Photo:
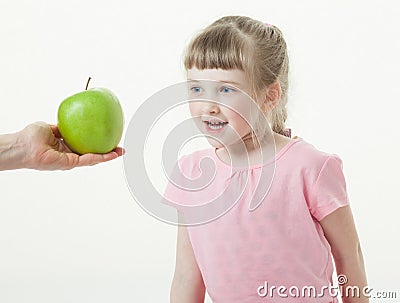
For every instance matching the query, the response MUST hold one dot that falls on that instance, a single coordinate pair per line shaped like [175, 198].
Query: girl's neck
[246, 153]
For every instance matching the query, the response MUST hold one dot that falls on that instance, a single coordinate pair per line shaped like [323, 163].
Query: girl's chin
[214, 143]
[218, 144]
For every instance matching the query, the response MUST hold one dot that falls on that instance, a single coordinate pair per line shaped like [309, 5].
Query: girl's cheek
[237, 121]
[194, 109]
[241, 112]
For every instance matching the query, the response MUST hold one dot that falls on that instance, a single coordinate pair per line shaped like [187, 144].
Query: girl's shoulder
[193, 163]
[311, 157]
[194, 158]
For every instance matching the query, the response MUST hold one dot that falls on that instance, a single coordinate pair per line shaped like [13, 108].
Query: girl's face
[224, 115]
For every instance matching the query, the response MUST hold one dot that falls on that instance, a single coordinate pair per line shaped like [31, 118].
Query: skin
[40, 146]
[228, 92]
[339, 227]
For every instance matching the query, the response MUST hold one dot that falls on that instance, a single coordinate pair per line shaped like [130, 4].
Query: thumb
[55, 130]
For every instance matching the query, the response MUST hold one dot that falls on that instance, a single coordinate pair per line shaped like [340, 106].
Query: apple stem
[87, 83]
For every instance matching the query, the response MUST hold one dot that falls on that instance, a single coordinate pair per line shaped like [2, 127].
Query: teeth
[217, 125]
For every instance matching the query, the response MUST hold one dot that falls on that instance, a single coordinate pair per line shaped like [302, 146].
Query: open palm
[46, 150]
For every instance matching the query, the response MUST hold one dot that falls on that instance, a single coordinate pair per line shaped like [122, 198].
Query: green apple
[91, 121]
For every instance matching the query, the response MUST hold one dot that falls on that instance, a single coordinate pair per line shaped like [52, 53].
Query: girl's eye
[195, 89]
[226, 89]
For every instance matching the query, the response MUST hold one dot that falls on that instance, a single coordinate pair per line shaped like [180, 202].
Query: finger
[120, 151]
[54, 129]
[92, 159]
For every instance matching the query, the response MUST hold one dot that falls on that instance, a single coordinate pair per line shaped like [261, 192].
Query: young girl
[279, 251]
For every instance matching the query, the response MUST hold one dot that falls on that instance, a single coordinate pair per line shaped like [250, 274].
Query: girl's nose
[211, 107]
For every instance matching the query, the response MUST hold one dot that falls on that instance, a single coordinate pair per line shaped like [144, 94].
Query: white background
[79, 236]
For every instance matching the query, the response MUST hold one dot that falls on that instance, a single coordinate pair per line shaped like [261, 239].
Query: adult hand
[40, 146]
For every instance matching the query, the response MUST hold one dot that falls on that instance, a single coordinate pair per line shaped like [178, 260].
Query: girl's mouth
[214, 127]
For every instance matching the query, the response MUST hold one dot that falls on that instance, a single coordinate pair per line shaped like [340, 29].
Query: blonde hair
[258, 49]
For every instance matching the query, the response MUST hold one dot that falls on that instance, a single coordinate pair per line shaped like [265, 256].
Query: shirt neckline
[277, 156]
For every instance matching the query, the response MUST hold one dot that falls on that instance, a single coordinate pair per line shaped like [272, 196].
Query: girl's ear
[271, 96]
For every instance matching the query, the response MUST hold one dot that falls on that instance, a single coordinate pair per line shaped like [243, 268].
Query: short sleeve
[329, 192]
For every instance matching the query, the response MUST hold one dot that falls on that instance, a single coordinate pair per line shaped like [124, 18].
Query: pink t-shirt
[245, 256]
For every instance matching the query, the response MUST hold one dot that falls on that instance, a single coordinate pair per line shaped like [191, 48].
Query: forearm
[11, 152]
[184, 291]
[354, 270]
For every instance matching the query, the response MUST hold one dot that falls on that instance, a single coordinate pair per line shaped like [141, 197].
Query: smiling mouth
[216, 125]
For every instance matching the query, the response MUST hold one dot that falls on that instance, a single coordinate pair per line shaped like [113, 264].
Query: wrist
[12, 152]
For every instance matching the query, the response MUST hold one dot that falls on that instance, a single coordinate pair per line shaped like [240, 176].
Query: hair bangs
[217, 47]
